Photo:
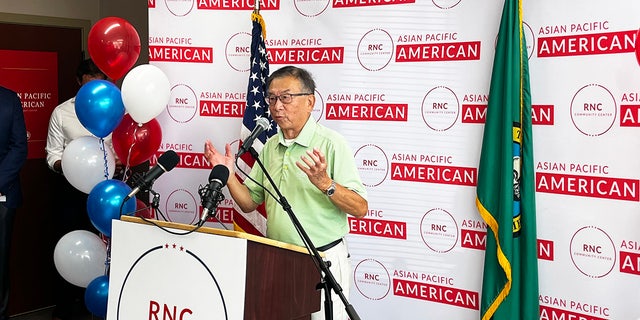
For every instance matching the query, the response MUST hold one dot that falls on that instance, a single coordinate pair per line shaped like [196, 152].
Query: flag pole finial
[257, 17]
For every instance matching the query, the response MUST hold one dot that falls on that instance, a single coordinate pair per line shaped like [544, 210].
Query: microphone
[211, 194]
[262, 124]
[166, 162]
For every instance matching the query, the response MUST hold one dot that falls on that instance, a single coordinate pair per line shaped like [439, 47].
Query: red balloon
[114, 46]
[135, 143]
[143, 210]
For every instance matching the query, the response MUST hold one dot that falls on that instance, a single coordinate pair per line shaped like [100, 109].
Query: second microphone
[211, 195]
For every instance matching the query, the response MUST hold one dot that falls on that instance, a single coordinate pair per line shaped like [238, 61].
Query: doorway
[31, 263]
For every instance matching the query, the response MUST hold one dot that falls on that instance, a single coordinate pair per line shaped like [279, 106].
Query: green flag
[506, 181]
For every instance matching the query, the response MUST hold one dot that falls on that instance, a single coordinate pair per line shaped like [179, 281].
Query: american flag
[255, 222]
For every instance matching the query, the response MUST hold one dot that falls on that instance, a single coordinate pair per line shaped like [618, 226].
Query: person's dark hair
[291, 71]
[89, 68]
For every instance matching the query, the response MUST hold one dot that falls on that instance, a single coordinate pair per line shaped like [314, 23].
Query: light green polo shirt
[321, 219]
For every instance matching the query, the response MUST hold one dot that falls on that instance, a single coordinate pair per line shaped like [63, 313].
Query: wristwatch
[331, 190]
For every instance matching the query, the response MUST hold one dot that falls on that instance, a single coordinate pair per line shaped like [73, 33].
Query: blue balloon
[104, 201]
[95, 296]
[99, 107]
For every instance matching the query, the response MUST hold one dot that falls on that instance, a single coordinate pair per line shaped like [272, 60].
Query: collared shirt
[64, 126]
[321, 219]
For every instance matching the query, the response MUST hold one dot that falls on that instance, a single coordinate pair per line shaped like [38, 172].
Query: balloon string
[125, 173]
[127, 166]
[135, 138]
[106, 162]
[107, 262]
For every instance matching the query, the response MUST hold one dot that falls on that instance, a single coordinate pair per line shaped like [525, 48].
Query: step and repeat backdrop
[406, 82]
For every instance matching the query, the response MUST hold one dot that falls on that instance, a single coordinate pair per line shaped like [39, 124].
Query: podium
[207, 274]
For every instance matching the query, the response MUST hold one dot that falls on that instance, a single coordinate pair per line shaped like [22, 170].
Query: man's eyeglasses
[285, 98]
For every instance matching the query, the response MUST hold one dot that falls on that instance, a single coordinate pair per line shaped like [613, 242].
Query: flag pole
[256, 6]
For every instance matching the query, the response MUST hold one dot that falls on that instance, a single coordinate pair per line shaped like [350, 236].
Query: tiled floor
[45, 314]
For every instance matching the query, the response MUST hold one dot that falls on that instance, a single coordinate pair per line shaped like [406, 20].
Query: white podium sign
[157, 275]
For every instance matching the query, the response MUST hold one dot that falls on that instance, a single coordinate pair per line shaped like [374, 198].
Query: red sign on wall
[33, 75]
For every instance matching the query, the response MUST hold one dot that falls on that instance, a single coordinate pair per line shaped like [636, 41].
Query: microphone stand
[328, 281]
[155, 202]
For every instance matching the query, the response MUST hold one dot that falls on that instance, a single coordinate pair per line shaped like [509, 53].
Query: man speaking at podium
[313, 167]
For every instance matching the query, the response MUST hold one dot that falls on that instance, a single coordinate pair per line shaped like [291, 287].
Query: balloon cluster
[128, 115]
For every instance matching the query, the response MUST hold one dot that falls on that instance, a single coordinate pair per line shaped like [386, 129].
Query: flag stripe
[242, 224]
[254, 222]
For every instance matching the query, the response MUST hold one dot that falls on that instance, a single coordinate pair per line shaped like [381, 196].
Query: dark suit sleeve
[16, 144]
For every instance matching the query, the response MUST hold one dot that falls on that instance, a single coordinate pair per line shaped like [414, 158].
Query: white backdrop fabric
[406, 82]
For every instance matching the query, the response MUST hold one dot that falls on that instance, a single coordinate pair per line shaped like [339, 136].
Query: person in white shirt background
[71, 204]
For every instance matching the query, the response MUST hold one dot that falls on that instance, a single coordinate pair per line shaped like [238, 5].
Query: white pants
[341, 270]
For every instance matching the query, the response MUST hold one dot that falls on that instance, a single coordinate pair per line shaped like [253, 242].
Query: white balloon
[83, 163]
[80, 256]
[145, 92]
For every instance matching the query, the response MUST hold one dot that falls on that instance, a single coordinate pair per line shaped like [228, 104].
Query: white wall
[74, 9]
[53, 12]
